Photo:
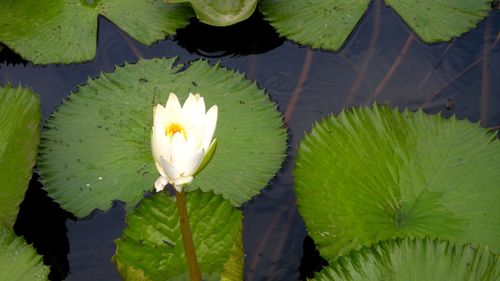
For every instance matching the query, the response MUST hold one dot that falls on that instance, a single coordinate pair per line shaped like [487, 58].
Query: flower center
[173, 129]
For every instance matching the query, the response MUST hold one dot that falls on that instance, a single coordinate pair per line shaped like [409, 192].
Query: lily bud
[182, 140]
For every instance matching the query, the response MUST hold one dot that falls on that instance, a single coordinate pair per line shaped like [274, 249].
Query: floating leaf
[97, 145]
[64, 31]
[441, 20]
[327, 24]
[19, 261]
[323, 24]
[415, 260]
[19, 138]
[375, 174]
[151, 246]
[233, 268]
[221, 12]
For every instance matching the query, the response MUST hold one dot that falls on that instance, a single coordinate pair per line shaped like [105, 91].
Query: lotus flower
[182, 140]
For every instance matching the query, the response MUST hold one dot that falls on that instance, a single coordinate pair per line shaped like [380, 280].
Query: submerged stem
[187, 237]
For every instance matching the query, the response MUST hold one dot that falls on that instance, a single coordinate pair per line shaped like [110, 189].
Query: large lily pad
[64, 31]
[327, 24]
[151, 246]
[374, 174]
[97, 144]
[411, 260]
[221, 12]
[19, 261]
[19, 138]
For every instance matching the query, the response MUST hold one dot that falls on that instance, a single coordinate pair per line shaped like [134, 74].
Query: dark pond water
[382, 61]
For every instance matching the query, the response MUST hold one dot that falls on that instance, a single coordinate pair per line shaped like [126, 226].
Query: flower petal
[158, 117]
[160, 169]
[210, 125]
[193, 163]
[207, 157]
[198, 111]
[173, 101]
[179, 152]
[170, 171]
[189, 105]
[156, 145]
[160, 183]
[172, 113]
[195, 120]
[200, 105]
[191, 146]
[189, 116]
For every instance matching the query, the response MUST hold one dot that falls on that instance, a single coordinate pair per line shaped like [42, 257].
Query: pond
[382, 61]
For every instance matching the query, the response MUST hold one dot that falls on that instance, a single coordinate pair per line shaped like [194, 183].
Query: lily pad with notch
[327, 24]
[64, 31]
[415, 259]
[151, 246]
[96, 147]
[374, 174]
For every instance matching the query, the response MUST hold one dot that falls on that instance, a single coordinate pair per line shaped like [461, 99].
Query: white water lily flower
[182, 139]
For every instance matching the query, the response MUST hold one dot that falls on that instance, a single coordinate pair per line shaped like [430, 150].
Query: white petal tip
[160, 183]
[172, 100]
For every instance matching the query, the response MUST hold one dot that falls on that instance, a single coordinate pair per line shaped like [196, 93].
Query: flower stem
[187, 237]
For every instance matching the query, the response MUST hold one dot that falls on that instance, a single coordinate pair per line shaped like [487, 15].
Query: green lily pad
[97, 149]
[19, 138]
[327, 24]
[18, 260]
[373, 174]
[151, 246]
[323, 24]
[221, 12]
[64, 31]
[411, 260]
[234, 266]
[441, 20]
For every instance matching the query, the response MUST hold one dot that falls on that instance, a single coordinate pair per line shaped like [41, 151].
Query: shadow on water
[311, 260]
[7, 56]
[42, 222]
[252, 36]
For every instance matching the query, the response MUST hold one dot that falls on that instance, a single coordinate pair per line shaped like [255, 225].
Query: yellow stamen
[173, 129]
